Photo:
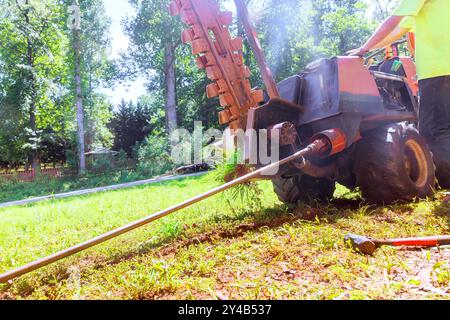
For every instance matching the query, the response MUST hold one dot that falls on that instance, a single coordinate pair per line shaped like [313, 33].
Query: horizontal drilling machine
[366, 112]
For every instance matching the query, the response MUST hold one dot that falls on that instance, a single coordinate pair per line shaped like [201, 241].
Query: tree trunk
[171, 99]
[79, 102]
[34, 156]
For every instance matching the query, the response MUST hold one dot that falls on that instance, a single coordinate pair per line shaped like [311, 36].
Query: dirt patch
[6, 296]
[419, 280]
[428, 272]
[258, 279]
[165, 296]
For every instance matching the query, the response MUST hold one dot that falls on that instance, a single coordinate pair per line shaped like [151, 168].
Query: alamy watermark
[214, 146]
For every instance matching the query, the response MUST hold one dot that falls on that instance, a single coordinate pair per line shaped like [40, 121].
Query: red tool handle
[417, 242]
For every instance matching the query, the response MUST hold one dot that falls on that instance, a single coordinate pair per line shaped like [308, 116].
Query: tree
[382, 8]
[154, 40]
[132, 123]
[43, 67]
[32, 52]
[283, 29]
[339, 25]
[76, 42]
[89, 28]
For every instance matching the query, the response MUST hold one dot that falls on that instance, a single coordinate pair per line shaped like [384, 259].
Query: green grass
[43, 186]
[222, 248]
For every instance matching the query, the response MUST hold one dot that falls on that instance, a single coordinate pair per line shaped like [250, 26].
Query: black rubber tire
[303, 189]
[442, 161]
[394, 163]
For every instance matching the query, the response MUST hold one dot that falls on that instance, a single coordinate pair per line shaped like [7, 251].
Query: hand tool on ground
[368, 246]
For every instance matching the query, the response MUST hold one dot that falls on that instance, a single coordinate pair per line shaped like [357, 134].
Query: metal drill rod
[313, 148]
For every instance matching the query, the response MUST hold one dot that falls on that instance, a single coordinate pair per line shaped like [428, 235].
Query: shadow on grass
[244, 221]
[442, 207]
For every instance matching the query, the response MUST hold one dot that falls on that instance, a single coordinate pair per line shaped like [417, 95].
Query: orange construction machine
[366, 111]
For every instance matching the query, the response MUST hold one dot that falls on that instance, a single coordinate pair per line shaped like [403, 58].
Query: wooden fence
[28, 176]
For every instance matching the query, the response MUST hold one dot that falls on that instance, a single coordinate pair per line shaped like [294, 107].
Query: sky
[117, 10]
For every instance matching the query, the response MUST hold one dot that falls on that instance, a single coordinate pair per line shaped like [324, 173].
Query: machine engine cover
[330, 87]
[291, 89]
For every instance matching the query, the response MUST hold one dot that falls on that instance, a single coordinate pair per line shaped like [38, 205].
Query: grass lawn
[221, 249]
[12, 191]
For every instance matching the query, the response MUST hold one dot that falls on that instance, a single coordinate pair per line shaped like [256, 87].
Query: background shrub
[154, 156]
